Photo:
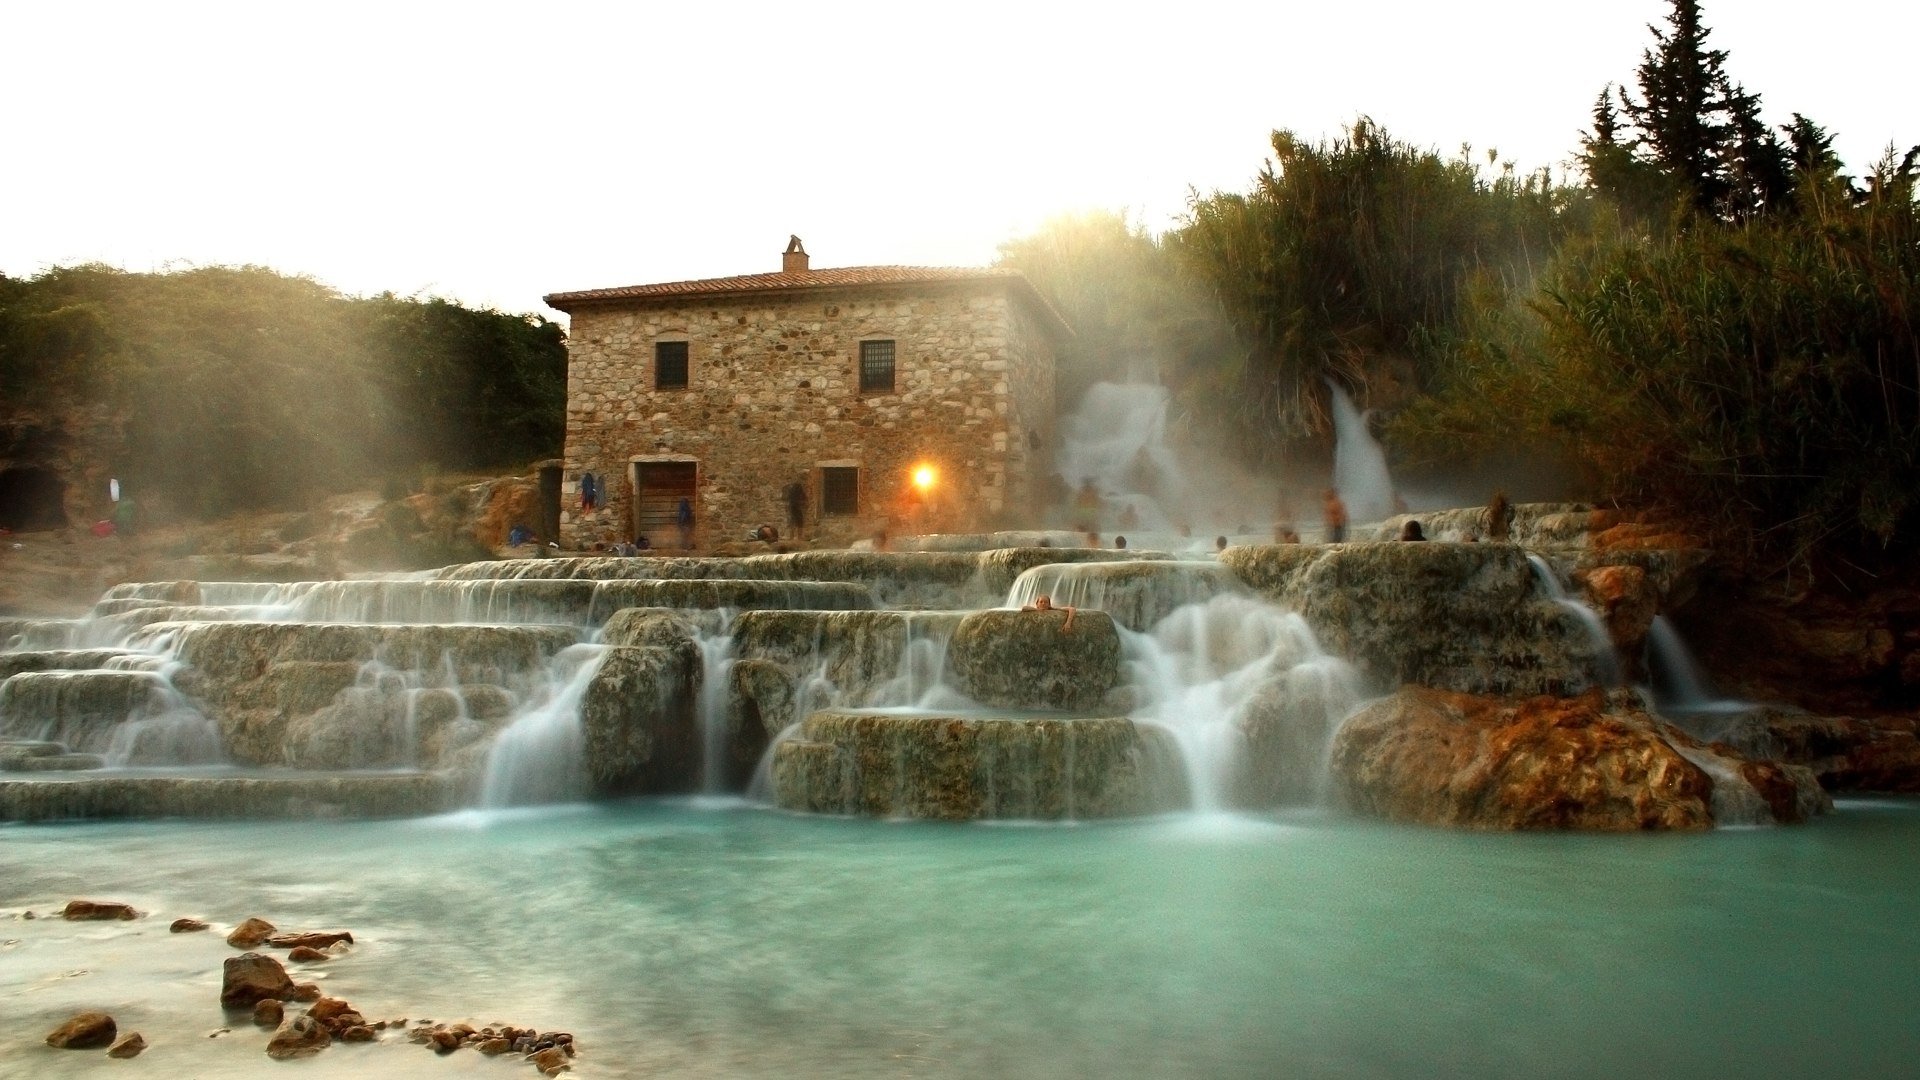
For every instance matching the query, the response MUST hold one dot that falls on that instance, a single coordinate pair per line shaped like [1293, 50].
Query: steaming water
[1359, 462]
[685, 943]
[1117, 439]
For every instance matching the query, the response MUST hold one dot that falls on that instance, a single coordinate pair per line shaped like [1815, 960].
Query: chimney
[794, 259]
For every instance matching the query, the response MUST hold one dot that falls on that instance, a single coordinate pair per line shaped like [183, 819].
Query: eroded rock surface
[1467, 617]
[86, 1031]
[966, 767]
[1591, 763]
[1030, 660]
[639, 719]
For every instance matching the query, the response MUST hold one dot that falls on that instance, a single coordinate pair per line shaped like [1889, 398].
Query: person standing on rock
[1499, 517]
[1336, 515]
[796, 498]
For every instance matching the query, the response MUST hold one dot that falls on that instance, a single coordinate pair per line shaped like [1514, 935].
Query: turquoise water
[723, 940]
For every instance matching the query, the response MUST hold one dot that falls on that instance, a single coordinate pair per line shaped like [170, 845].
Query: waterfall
[1606, 659]
[714, 705]
[541, 755]
[1247, 694]
[1359, 462]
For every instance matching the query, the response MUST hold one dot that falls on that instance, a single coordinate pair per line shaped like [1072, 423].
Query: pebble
[186, 926]
[129, 1045]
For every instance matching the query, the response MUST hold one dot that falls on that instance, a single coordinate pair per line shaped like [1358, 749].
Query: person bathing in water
[1043, 602]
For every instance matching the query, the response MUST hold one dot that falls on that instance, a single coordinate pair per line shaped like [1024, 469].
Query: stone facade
[773, 395]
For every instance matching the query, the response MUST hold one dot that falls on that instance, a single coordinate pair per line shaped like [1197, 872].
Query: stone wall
[774, 393]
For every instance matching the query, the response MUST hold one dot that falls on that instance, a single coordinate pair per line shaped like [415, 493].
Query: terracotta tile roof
[843, 277]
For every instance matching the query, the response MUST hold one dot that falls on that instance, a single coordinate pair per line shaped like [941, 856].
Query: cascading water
[1359, 462]
[1605, 657]
[1231, 672]
[716, 664]
[540, 756]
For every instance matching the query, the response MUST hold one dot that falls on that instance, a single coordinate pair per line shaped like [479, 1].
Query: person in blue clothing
[683, 516]
[589, 492]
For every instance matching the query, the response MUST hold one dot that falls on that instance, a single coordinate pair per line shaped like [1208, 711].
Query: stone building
[723, 392]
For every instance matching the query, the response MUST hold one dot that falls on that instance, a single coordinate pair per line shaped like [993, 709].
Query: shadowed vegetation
[220, 388]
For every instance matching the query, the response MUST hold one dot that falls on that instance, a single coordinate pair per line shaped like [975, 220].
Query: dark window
[840, 489]
[670, 365]
[876, 367]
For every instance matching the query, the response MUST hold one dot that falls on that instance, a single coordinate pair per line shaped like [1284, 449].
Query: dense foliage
[1715, 321]
[229, 387]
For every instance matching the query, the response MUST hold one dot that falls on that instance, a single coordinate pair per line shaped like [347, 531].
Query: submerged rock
[1028, 660]
[186, 926]
[963, 767]
[85, 1031]
[1440, 758]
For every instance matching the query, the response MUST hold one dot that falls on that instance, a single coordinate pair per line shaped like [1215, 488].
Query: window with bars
[839, 490]
[669, 365]
[876, 367]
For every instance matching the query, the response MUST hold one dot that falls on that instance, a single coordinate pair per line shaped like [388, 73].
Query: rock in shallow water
[250, 934]
[129, 1046]
[86, 1031]
[88, 910]
[301, 1036]
[1440, 758]
[250, 978]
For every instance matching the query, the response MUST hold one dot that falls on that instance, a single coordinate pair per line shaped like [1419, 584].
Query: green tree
[1345, 257]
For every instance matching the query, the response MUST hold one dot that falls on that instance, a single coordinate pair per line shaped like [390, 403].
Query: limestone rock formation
[294, 796]
[263, 681]
[968, 767]
[1136, 593]
[639, 720]
[1467, 617]
[1027, 660]
[1441, 758]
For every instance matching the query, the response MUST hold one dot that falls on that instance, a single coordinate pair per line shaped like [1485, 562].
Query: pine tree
[1758, 171]
[1683, 116]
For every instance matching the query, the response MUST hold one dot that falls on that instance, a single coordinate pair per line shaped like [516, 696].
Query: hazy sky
[495, 152]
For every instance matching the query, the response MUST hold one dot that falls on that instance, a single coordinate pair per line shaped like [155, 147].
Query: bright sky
[494, 152]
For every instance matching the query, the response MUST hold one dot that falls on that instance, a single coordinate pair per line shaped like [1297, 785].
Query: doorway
[658, 488]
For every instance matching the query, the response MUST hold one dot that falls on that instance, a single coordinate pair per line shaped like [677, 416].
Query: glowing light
[923, 478]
